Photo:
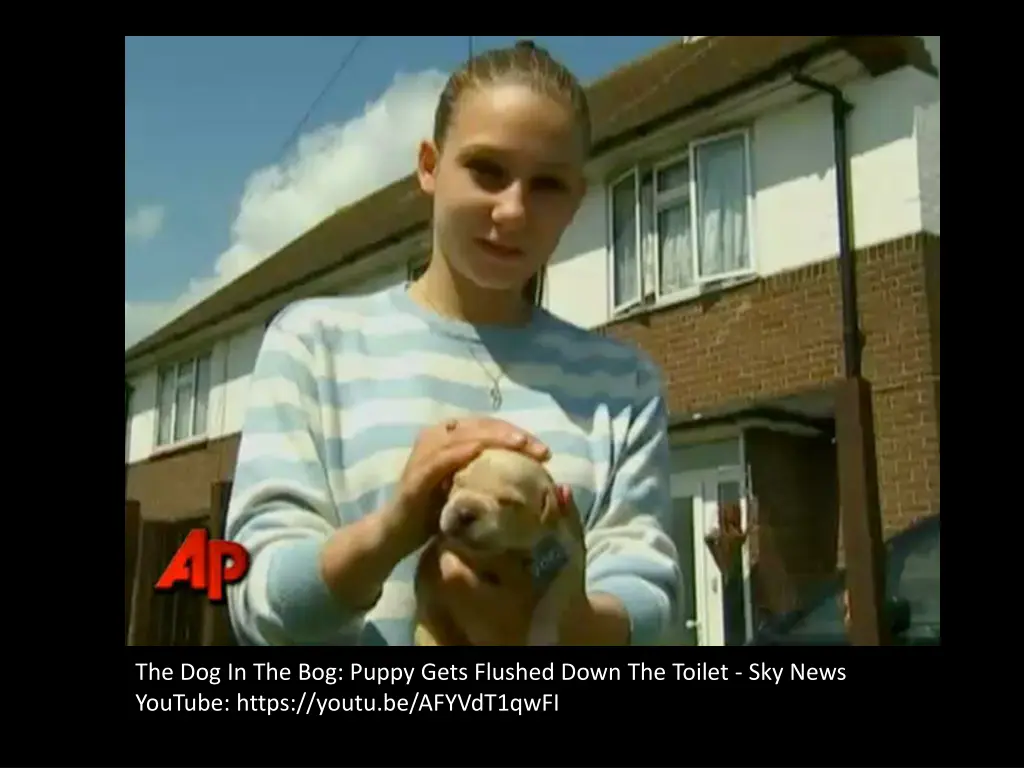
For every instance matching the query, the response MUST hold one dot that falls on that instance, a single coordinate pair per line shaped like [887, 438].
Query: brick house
[744, 319]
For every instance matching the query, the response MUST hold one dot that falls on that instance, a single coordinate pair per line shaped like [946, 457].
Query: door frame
[697, 483]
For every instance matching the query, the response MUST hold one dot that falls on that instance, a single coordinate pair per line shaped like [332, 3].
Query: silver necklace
[495, 389]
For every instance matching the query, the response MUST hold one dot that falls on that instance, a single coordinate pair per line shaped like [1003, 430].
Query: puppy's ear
[550, 512]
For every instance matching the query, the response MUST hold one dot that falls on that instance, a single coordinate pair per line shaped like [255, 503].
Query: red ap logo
[205, 565]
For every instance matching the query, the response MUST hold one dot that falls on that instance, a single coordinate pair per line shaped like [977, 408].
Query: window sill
[181, 446]
[683, 297]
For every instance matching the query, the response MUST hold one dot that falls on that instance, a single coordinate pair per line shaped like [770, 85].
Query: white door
[715, 607]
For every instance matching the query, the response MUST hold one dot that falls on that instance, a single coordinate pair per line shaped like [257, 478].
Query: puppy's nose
[463, 517]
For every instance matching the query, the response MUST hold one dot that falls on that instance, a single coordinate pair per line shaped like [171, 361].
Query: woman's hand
[438, 453]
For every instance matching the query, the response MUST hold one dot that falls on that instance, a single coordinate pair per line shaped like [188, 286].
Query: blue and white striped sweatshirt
[340, 390]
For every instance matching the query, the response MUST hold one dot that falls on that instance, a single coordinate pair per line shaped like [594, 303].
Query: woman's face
[506, 185]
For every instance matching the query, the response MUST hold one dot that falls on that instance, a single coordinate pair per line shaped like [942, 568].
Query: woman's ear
[426, 166]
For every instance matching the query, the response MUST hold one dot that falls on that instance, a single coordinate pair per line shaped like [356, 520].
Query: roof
[657, 89]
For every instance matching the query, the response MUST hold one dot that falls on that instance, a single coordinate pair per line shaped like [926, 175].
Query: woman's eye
[487, 170]
[548, 184]
[493, 176]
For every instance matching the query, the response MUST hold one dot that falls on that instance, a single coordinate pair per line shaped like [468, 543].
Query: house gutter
[855, 437]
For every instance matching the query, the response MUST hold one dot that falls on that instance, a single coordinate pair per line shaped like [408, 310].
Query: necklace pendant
[495, 397]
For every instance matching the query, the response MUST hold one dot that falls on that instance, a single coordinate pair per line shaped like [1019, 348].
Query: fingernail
[564, 494]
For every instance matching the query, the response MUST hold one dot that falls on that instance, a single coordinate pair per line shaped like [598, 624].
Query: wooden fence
[181, 617]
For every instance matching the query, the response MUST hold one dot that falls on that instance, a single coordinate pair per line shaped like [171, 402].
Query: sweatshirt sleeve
[629, 553]
[282, 507]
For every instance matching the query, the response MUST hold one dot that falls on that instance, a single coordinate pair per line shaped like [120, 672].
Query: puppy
[502, 502]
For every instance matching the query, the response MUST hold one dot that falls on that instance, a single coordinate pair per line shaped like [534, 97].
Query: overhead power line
[297, 131]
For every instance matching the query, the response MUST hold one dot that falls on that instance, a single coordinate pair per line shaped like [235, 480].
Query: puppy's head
[502, 501]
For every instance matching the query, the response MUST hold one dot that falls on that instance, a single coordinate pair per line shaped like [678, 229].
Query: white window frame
[647, 236]
[180, 370]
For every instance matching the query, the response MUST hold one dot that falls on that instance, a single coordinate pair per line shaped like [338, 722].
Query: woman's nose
[510, 205]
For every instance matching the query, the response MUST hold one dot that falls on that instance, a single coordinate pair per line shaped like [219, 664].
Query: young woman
[362, 407]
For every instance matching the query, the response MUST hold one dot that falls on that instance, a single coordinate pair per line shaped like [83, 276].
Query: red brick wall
[782, 335]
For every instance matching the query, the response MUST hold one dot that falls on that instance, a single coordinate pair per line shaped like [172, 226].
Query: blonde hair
[524, 63]
[530, 65]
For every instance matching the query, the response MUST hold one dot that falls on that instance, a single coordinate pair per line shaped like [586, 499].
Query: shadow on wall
[794, 541]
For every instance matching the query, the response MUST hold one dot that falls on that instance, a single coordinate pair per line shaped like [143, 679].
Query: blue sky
[209, 191]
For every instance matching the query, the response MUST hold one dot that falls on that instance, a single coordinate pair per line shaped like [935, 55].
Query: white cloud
[330, 167]
[144, 223]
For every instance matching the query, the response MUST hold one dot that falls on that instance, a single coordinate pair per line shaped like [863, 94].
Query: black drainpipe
[841, 108]
[855, 438]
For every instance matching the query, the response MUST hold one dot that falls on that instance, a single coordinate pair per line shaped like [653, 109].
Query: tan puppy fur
[502, 502]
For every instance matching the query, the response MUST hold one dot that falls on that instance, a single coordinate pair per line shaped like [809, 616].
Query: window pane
[202, 395]
[648, 247]
[723, 236]
[675, 248]
[186, 375]
[675, 176]
[166, 406]
[624, 231]
[182, 413]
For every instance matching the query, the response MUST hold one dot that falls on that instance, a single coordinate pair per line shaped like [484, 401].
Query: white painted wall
[227, 400]
[141, 432]
[893, 140]
[577, 282]
[927, 117]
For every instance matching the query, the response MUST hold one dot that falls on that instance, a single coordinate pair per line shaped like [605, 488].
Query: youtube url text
[311, 703]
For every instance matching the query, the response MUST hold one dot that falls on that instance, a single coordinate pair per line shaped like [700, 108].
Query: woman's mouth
[499, 250]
